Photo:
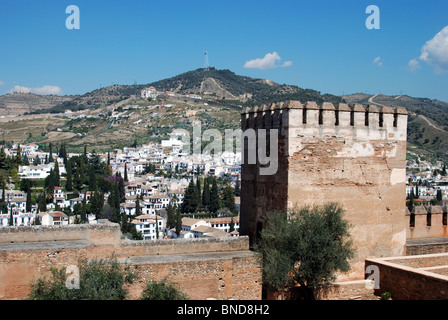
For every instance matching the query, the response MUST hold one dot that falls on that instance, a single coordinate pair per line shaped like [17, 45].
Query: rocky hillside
[223, 94]
[20, 103]
[227, 86]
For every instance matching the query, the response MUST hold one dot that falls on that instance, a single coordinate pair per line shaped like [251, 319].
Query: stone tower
[355, 156]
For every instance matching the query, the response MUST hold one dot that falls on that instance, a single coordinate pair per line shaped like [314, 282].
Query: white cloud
[45, 90]
[413, 65]
[2, 82]
[434, 53]
[378, 61]
[268, 62]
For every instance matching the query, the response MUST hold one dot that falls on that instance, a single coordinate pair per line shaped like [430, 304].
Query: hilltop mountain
[19, 103]
[227, 86]
[222, 90]
[221, 86]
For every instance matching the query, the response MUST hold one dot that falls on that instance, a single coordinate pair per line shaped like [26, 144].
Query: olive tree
[306, 246]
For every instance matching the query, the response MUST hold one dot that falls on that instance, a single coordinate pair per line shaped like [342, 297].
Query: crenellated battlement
[351, 154]
[326, 119]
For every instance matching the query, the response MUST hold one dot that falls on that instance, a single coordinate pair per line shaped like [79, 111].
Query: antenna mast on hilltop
[206, 65]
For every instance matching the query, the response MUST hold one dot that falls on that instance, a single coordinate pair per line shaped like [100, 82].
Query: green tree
[171, 216]
[162, 290]
[178, 222]
[3, 159]
[138, 210]
[439, 195]
[28, 201]
[11, 218]
[237, 188]
[84, 209]
[198, 191]
[42, 203]
[92, 179]
[57, 177]
[307, 247]
[206, 193]
[190, 202]
[97, 203]
[50, 158]
[69, 181]
[18, 158]
[214, 197]
[229, 199]
[103, 279]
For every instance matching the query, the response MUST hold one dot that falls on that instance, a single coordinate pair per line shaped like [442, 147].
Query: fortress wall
[220, 268]
[97, 234]
[354, 155]
[427, 222]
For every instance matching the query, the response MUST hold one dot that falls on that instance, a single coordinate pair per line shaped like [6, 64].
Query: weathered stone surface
[220, 268]
[350, 156]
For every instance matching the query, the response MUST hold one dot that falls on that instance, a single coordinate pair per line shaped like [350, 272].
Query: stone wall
[220, 268]
[352, 155]
[426, 222]
[423, 277]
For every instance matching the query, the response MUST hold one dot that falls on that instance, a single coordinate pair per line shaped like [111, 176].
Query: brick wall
[203, 268]
[413, 277]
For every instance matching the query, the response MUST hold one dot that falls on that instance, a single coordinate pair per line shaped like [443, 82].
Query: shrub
[162, 290]
[98, 280]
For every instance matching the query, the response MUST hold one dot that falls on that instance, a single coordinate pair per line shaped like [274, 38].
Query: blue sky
[322, 45]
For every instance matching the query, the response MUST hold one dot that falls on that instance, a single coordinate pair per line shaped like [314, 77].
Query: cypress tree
[138, 211]
[121, 189]
[190, 202]
[171, 218]
[3, 191]
[57, 177]
[125, 172]
[178, 222]
[439, 195]
[18, 158]
[92, 179]
[97, 203]
[28, 201]
[42, 203]
[198, 191]
[50, 158]
[11, 218]
[206, 193]
[84, 209]
[229, 199]
[214, 197]
[3, 161]
[69, 182]
[237, 188]
[157, 228]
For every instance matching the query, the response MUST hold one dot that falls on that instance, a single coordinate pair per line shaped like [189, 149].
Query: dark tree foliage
[214, 197]
[98, 280]
[307, 247]
[162, 290]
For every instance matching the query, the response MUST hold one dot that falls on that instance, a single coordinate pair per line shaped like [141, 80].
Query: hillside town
[156, 178]
[427, 180]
